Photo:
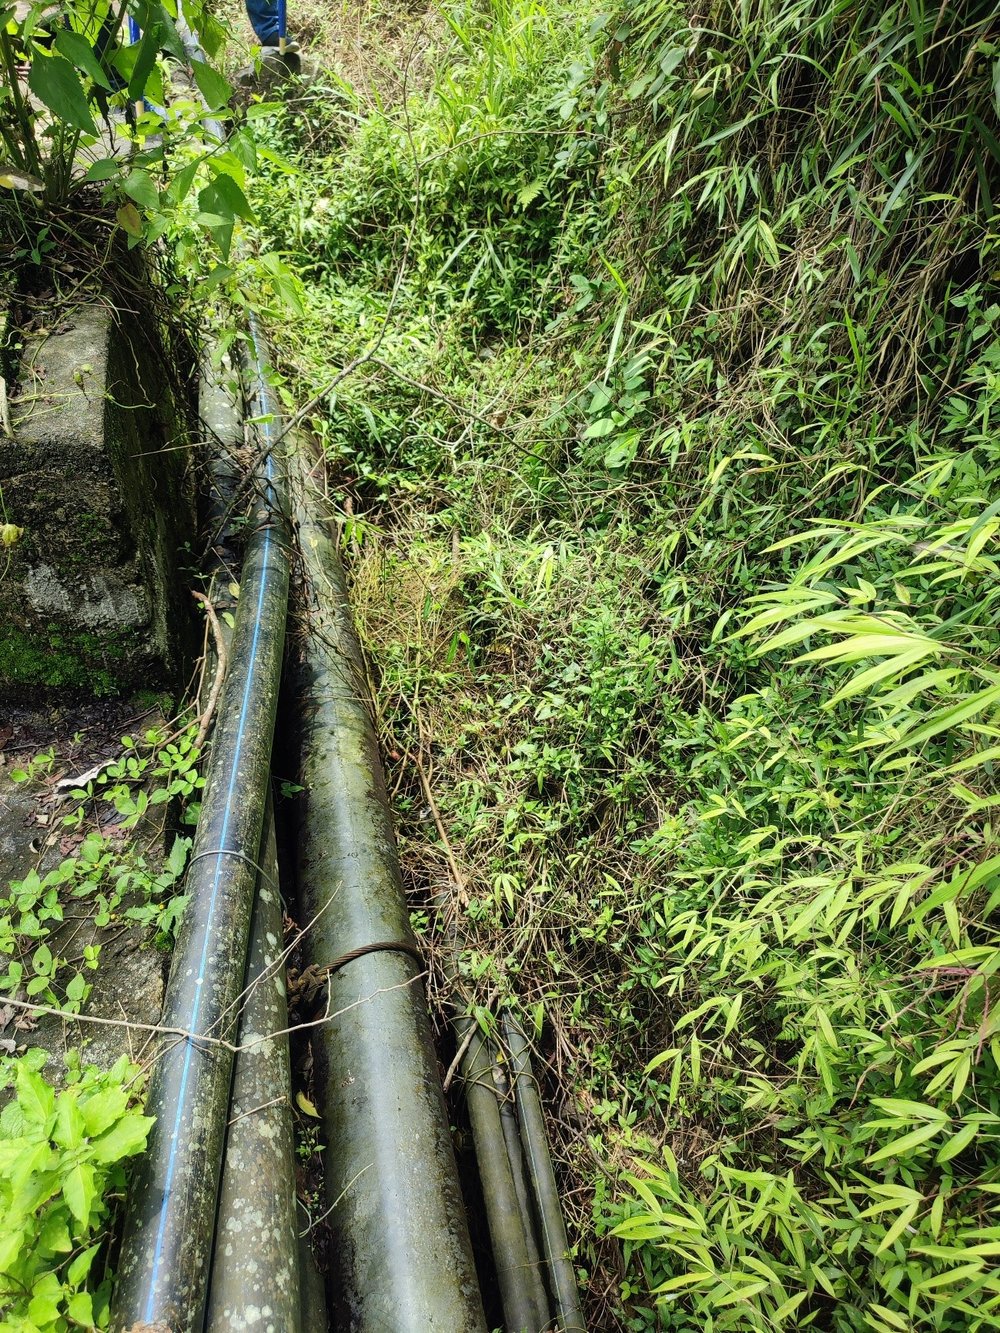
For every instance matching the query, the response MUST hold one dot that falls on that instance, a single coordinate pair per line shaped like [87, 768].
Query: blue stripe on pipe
[172, 1159]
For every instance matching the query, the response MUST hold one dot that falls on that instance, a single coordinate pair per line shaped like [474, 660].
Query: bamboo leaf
[901, 1147]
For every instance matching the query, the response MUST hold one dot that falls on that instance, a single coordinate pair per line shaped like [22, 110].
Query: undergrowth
[654, 354]
[62, 1156]
[66, 1132]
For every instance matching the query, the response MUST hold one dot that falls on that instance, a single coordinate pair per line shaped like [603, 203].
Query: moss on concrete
[94, 595]
[65, 659]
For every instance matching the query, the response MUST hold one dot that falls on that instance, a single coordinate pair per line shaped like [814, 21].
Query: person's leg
[263, 16]
[104, 49]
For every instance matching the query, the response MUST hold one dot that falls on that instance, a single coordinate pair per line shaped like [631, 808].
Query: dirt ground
[381, 49]
[128, 983]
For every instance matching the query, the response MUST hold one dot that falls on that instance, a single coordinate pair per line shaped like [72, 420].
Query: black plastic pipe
[255, 1269]
[259, 1264]
[401, 1253]
[515, 1155]
[500, 1163]
[555, 1245]
[522, 1293]
[164, 1266]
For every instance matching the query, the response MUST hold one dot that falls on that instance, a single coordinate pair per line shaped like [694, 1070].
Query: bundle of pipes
[255, 1266]
[260, 1263]
[401, 1251]
[403, 1259]
[169, 1230]
[562, 1286]
[402, 1254]
[531, 1253]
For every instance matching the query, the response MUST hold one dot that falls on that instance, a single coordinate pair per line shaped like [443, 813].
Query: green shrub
[61, 1156]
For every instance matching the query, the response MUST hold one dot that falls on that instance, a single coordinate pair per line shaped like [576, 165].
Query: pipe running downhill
[522, 1293]
[555, 1244]
[401, 1252]
[166, 1252]
[255, 1271]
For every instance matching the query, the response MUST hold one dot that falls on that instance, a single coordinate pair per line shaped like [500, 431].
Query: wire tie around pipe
[240, 856]
[379, 946]
[483, 1078]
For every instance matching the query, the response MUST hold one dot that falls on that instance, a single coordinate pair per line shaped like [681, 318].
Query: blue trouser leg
[263, 15]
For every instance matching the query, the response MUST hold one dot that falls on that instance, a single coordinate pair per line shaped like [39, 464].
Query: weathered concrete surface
[98, 476]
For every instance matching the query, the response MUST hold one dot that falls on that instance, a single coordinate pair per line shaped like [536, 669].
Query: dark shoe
[273, 51]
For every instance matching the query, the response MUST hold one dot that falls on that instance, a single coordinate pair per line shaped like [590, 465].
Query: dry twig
[222, 662]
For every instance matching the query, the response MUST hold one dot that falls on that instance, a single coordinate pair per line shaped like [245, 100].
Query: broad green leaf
[101, 1110]
[179, 848]
[69, 1127]
[78, 1190]
[897, 1228]
[80, 1308]
[229, 199]
[212, 86]
[75, 47]
[81, 1265]
[35, 1098]
[874, 675]
[55, 82]
[859, 646]
[945, 718]
[180, 186]
[139, 186]
[890, 1317]
[108, 168]
[902, 1146]
[958, 1143]
[949, 1279]
[908, 1110]
[54, 1236]
[43, 1310]
[144, 61]
[684, 1280]
[124, 1139]
[661, 1059]
[641, 1228]
[749, 1285]
[598, 429]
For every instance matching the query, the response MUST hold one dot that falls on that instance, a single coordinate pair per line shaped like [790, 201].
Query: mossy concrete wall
[98, 475]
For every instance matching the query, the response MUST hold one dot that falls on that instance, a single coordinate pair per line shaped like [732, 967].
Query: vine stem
[25, 150]
[221, 662]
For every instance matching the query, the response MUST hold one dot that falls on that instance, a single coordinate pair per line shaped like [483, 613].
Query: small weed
[114, 879]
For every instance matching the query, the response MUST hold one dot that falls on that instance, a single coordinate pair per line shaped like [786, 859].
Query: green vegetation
[655, 356]
[62, 1156]
[66, 69]
[62, 1152]
[119, 881]
[655, 353]
[71, 660]
[94, 129]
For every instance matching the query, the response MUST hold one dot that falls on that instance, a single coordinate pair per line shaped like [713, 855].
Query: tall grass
[822, 238]
[674, 502]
